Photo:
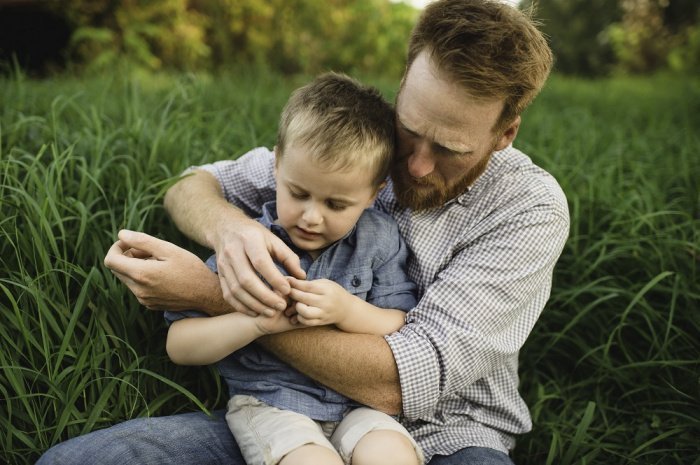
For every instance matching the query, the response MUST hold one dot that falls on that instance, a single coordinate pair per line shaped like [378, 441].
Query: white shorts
[266, 434]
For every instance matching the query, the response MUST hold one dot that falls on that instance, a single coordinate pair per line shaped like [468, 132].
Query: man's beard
[429, 191]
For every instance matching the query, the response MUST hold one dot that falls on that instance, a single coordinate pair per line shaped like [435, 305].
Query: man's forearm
[197, 206]
[360, 366]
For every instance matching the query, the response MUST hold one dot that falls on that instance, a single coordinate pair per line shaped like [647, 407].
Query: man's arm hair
[184, 200]
[367, 373]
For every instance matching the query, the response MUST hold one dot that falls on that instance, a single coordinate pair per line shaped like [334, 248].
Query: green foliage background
[610, 371]
[287, 36]
[602, 37]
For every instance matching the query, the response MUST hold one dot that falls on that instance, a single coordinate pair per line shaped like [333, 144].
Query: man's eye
[407, 133]
[440, 150]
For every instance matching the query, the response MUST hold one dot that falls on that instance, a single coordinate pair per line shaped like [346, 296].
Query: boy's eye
[335, 206]
[298, 194]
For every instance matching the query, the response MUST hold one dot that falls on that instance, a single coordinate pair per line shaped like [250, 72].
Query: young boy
[334, 146]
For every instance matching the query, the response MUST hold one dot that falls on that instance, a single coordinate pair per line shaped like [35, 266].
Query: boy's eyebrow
[346, 200]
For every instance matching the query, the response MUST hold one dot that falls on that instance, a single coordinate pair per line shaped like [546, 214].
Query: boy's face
[317, 206]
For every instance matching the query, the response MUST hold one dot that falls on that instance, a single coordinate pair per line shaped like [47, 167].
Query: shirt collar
[491, 168]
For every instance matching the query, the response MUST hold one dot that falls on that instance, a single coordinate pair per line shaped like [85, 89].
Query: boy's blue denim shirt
[369, 262]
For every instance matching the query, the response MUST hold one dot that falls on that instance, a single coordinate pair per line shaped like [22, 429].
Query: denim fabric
[473, 456]
[369, 263]
[191, 438]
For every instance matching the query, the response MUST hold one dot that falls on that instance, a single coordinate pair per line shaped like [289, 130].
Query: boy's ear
[376, 193]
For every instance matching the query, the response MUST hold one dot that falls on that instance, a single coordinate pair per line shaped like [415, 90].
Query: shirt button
[355, 281]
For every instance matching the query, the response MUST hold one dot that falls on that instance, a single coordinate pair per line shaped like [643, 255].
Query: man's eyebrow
[406, 128]
[433, 143]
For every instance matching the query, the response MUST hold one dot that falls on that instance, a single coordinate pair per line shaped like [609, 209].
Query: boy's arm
[322, 302]
[201, 341]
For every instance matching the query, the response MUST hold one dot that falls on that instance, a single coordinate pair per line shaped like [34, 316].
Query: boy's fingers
[300, 284]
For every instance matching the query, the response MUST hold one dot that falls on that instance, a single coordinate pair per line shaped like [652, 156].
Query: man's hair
[491, 49]
[341, 123]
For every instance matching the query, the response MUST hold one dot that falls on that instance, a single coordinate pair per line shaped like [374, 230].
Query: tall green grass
[611, 371]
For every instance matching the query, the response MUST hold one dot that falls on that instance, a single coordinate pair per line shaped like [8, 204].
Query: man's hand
[164, 276]
[248, 248]
[320, 302]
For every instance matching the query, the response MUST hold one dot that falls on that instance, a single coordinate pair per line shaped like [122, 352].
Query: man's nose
[422, 161]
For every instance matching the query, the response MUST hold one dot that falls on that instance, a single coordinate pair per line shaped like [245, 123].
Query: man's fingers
[243, 302]
[262, 261]
[243, 288]
[115, 259]
[136, 253]
[146, 243]
[288, 259]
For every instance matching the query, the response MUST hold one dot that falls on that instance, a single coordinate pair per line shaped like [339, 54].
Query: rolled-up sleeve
[247, 182]
[479, 310]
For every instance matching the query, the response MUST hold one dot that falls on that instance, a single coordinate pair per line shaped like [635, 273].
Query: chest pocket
[357, 282]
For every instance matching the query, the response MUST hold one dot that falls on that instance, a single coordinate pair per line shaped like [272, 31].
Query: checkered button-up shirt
[483, 264]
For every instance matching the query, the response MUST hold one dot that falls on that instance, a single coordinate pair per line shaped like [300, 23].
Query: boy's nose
[312, 215]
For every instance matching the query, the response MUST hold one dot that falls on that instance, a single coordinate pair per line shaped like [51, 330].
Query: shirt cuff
[419, 372]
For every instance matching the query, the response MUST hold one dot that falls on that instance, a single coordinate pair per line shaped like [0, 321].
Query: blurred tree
[289, 36]
[596, 37]
[309, 35]
[152, 34]
[641, 41]
[655, 34]
[577, 31]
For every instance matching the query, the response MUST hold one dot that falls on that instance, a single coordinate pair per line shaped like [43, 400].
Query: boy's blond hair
[490, 48]
[342, 124]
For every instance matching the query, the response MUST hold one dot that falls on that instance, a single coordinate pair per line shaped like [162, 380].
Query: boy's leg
[312, 454]
[268, 435]
[367, 437]
[186, 438]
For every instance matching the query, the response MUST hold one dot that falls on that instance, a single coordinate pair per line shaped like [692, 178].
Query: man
[483, 224]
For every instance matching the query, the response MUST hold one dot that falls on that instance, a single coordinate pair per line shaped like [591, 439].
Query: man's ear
[508, 135]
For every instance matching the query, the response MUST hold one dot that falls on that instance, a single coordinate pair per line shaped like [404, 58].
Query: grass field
[611, 371]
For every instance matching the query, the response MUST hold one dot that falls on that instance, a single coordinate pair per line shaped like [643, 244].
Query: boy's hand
[278, 323]
[320, 302]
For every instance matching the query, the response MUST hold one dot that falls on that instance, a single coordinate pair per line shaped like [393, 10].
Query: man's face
[444, 137]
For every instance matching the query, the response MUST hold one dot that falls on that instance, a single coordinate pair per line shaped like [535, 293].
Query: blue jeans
[191, 438]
